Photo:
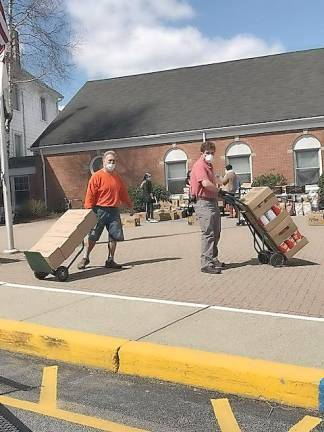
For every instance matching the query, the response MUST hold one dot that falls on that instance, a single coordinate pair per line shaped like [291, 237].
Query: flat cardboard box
[292, 252]
[256, 196]
[315, 219]
[280, 218]
[283, 231]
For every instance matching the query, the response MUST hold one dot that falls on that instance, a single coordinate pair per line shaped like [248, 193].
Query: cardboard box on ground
[267, 212]
[316, 219]
[65, 235]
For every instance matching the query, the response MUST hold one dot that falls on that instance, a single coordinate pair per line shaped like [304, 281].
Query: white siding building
[35, 106]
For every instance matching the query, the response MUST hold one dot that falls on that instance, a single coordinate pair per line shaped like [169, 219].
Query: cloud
[123, 37]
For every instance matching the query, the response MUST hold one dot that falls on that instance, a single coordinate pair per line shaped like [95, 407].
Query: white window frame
[174, 156]
[240, 149]
[303, 144]
[14, 133]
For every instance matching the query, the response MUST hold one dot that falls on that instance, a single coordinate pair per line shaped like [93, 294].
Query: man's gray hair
[109, 152]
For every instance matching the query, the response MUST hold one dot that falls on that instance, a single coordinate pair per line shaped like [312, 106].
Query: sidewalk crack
[55, 309]
[172, 322]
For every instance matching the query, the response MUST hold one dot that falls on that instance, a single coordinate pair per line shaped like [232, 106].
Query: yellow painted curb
[283, 383]
[59, 344]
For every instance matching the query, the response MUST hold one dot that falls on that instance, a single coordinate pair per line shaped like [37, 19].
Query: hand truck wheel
[62, 273]
[263, 257]
[40, 275]
[277, 259]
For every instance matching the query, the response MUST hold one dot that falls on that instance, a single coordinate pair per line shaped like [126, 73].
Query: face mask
[209, 158]
[110, 166]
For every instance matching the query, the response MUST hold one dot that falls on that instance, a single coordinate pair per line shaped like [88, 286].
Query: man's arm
[91, 195]
[225, 180]
[208, 185]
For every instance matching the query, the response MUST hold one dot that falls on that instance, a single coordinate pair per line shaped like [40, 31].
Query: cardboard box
[161, 216]
[176, 214]
[292, 252]
[283, 231]
[52, 255]
[315, 219]
[132, 221]
[67, 245]
[256, 196]
[83, 220]
[280, 218]
[265, 205]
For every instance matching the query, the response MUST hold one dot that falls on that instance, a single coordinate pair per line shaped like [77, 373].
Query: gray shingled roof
[262, 89]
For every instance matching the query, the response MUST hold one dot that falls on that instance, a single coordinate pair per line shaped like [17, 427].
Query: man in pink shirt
[204, 188]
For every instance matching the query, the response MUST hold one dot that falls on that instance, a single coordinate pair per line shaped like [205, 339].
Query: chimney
[15, 49]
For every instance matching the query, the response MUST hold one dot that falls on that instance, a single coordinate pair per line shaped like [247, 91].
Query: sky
[124, 37]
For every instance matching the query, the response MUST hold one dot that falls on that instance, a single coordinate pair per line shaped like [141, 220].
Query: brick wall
[68, 174]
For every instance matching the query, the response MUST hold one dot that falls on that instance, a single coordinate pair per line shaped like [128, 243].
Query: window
[239, 156]
[96, 164]
[43, 108]
[22, 192]
[176, 171]
[18, 144]
[308, 164]
[15, 98]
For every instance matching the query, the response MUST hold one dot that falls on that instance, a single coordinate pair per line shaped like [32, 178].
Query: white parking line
[166, 302]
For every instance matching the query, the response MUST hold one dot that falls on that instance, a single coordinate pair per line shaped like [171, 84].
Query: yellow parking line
[47, 406]
[48, 393]
[225, 416]
[307, 424]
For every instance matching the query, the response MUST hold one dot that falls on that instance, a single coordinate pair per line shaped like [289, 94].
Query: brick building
[264, 114]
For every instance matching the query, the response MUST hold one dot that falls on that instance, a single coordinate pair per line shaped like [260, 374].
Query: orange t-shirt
[106, 190]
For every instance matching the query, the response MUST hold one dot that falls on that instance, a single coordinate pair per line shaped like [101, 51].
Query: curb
[259, 379]
[69, 346]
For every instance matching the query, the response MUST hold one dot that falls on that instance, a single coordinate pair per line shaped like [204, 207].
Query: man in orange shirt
[105, 194]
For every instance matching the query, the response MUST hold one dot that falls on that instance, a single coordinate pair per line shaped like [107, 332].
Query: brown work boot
[83, 263]
[110, 263]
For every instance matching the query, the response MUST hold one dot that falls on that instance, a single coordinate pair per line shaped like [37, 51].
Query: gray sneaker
[211, 270]
[83, 263]
[218, 264]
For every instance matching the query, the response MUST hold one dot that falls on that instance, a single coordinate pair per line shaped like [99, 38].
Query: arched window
[175, 170]
[308, 163]
[239, 156]
[96, 164]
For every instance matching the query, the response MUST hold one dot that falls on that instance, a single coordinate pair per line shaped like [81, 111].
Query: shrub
[32, 209]
[271, 180]
[321, 191]
[136, 195]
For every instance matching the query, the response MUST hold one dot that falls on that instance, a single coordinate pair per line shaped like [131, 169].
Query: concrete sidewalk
[160, 317]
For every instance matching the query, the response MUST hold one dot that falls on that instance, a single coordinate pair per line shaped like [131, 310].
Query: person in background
[204, 190]
[106, 192]
[190, 208]
[230, 183]
[148, 196]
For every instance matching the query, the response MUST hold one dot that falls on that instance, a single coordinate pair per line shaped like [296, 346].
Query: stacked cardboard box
[59, 242]
[274, 220]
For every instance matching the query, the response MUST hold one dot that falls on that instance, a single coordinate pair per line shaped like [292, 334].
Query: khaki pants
[209, 218]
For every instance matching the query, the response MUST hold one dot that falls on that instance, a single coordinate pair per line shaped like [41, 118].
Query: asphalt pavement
[129, 402]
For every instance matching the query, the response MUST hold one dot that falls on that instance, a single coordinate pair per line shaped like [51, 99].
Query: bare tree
[45, 37]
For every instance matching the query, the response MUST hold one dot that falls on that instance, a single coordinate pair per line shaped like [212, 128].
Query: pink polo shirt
[201, 170]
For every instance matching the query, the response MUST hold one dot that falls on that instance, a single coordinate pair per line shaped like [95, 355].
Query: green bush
[271, 180]
[160, 193]
[136, 195]
[321, 191]
[32, 209]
